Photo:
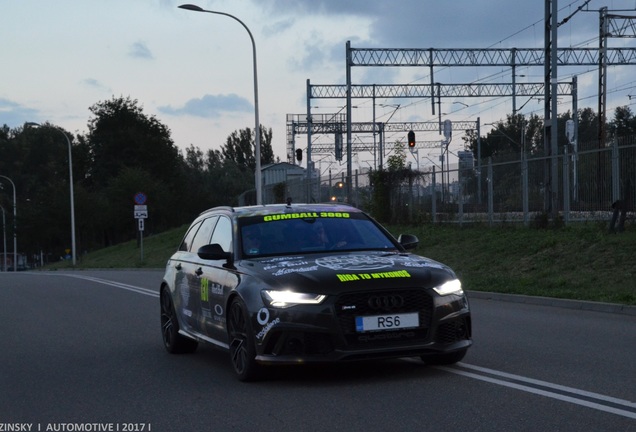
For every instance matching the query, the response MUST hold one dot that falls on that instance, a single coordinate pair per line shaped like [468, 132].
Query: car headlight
[283, 299]
[451, 287]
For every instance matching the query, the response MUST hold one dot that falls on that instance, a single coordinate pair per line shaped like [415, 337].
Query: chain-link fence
[593, 184]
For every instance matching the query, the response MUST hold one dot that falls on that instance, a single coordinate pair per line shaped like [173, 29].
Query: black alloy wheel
[241, 337]
[172, 340]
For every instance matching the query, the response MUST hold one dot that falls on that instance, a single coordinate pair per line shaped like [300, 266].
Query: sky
[194, 71]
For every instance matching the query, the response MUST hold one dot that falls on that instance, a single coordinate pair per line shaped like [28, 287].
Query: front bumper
[327, 333]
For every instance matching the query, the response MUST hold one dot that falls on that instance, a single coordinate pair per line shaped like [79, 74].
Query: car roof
[283, 208]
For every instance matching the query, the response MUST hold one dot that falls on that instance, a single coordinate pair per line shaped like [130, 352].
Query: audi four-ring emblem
[392, 301]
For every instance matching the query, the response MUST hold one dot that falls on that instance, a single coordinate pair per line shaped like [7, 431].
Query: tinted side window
[223, 234]
[202, 237]
[187, 240]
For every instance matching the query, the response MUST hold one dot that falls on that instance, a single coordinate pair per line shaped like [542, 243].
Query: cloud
[323, 7]
[93, 83]
[278, 27]
[210, 106]
[316, 54]
[386, 75]
[13, 114]
[417, 23]
[140, 50]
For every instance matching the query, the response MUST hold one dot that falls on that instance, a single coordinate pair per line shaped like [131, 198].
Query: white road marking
[133, 288]
[577, 396]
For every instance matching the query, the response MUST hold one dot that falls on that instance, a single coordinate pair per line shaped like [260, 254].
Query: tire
[242, 348]
[444, 359]
[172, 340]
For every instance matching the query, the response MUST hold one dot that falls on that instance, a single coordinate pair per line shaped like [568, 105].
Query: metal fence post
[524, 188]
[356, 198]
[411, 198]
[566, 185]
[434, 198]
[460, 196]
[490, 182]
[615, 172]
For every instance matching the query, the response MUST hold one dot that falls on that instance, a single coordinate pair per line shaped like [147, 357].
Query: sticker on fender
[387, 322]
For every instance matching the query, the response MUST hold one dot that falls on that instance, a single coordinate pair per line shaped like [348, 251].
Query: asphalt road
[82, 351]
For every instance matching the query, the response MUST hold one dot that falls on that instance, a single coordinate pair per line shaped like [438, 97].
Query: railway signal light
[411, 139]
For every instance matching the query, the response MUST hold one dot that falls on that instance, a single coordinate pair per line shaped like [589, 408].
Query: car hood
[333, 273]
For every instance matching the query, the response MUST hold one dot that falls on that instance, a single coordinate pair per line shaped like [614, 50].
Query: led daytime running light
[283, 299]
[451, 287]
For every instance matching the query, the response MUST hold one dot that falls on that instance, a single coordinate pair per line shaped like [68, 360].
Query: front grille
[351, 305]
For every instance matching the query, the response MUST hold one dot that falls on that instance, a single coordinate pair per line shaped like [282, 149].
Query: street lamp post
[70, 174]
[15, 233]
[257, 129]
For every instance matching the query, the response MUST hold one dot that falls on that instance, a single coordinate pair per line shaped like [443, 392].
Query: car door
[194, 269]
[183, 270]
[216, 283]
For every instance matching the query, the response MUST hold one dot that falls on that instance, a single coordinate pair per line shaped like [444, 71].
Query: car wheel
[241, 337]
[172, 340]
[445, 359]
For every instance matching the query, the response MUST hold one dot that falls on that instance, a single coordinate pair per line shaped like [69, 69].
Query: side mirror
[214, 252]
[408, 241]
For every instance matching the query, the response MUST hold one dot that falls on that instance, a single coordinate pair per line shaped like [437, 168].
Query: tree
[194, 159]
[124, 152]
[116, 220]
[39, 167]
[239, 148]
[129, 152]
[397, 161]
[238, 162]
[214, 159]
[506, 142]
[386, 200]
[623, 123]
[121, 135]
[267, 153]
[588, 130]
[199, 190]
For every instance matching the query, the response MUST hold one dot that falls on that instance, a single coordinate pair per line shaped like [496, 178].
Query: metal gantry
[335, 91]
[297, 124]
[550, 57]
[435, 57]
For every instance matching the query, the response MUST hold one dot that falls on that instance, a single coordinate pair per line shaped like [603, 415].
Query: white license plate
[387, 322]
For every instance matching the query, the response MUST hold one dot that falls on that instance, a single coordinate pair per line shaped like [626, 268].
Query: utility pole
[550, 109]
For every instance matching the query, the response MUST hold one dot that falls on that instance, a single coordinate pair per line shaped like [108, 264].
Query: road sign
[141, 224]
[140, 198]
[141, 212]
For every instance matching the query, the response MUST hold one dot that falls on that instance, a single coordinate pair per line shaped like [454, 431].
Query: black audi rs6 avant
[303, 283]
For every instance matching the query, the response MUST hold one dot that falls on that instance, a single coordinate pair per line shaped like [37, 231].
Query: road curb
[555, 302]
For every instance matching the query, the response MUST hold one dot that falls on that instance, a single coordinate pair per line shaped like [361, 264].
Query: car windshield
[309, 232]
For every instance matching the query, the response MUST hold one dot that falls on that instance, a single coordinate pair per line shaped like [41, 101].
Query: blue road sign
[140, 198]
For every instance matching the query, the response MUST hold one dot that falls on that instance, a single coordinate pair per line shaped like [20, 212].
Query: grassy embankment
[581, 261]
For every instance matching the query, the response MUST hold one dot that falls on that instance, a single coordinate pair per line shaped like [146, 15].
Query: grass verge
[580, 261]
